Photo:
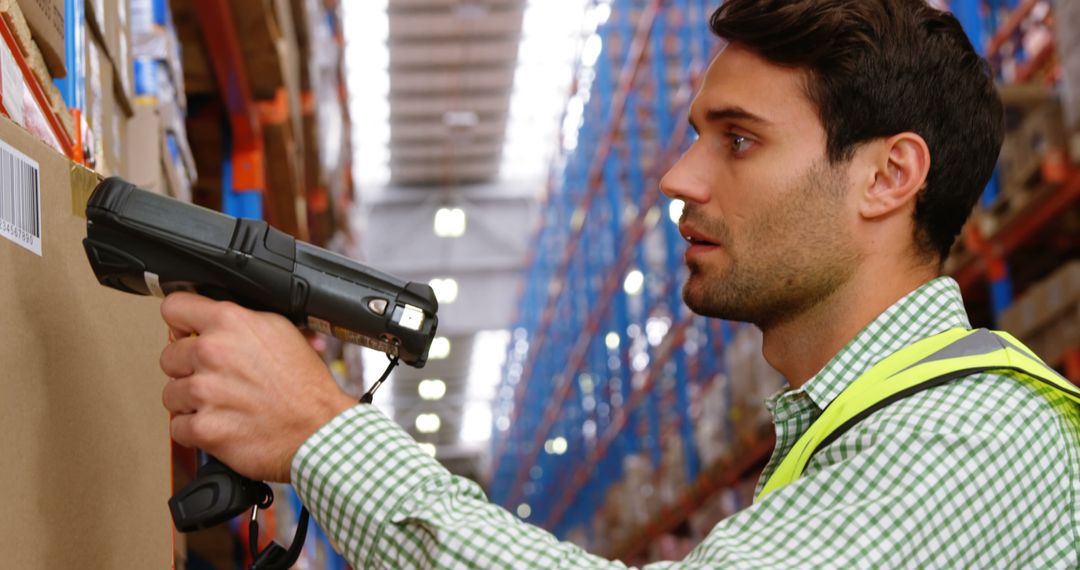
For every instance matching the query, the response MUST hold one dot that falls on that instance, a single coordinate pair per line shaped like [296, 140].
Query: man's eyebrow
[729, 113]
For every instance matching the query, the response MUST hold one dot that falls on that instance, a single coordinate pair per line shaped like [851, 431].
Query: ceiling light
[476, 423]
[471, 11]
[555, 446]
[591, 52]
[450, 222]
[612, 340]
[461, 119]
[429, 448]
[486, 364]
[446, 290]
[432, 389]
[640, 361]
[656, 328]
[428, 423]
[503, 423]
[524, 510]
[586, 382]
[440, 348]
[603, 13]
[634, 282]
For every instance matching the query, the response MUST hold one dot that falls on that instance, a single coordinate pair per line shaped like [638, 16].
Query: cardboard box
[17, 99]
[1043, 303]
[110, 17]
[1067, 16]
[35, 60]
[115, 139]
[1055, 340]
[46, 21]
[82, 432]
[1035, 146]
[96, 11]
[104, 113]
[16, 21]
[144, 159]
[99, 86]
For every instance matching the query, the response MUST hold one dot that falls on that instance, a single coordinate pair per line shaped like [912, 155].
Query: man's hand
[244, 386]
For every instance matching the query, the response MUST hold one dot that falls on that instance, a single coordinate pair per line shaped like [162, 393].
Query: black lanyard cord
[275, 557]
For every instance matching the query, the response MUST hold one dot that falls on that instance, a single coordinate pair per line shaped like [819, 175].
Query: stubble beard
[791, 258]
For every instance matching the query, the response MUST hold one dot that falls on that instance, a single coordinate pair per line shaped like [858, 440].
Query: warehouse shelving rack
[227, 60]
[604, 218]
[988, 259]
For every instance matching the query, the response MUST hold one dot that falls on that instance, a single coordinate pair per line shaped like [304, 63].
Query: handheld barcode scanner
[147, 244]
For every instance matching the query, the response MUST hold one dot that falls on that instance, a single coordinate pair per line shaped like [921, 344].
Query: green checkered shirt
[983, 472]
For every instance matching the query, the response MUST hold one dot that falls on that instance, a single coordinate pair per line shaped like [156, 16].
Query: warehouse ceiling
[451, 75]
[456, 104]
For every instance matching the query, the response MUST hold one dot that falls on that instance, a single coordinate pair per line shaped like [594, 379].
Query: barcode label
[20, 199]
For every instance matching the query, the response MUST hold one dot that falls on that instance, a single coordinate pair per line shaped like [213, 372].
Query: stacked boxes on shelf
[110, 24]
[326, 146]
[1034, 154]
[1068, 45]
[1021, 55]
[35, 29]
[163, 162]
[1017, 235]
[1047, 316]
[605, 355]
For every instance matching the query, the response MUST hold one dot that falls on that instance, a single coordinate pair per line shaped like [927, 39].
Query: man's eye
[740, 144]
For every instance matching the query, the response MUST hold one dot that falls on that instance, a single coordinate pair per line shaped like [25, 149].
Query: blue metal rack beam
[594, 181]
[641, 393]
[628, 411]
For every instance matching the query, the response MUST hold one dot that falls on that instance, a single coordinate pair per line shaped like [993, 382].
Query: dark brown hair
[876, 68]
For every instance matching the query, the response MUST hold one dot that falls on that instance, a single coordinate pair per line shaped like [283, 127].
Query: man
[842, 144]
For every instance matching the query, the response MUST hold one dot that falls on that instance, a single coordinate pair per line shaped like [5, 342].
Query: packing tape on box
[83, 182]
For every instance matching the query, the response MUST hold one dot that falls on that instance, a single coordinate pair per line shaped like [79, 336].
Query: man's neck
[801, 346]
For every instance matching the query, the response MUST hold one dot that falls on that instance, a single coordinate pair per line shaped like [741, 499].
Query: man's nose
[684, 182]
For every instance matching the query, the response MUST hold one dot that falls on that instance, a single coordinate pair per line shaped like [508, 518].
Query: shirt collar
[935, 307]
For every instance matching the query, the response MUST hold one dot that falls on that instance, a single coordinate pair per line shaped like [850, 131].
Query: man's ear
[899, 166]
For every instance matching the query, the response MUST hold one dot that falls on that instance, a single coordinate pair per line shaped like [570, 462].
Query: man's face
[767, 216]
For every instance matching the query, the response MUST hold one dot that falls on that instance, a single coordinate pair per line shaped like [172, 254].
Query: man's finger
[179, 398]
[178, 358]
[188, 313]
[180, 429]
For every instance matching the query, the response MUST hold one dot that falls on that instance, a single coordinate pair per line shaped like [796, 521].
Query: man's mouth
[694, 237]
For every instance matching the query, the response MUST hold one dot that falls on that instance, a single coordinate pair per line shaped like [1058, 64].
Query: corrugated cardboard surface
[83, 436]
[46, 19]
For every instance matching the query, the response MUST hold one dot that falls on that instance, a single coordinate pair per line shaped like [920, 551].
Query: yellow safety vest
[930, 362]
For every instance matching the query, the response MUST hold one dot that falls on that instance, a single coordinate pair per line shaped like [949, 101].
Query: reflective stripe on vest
[930, 362]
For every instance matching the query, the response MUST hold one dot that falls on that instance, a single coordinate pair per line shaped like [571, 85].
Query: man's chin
[695, 297]
[704, 297]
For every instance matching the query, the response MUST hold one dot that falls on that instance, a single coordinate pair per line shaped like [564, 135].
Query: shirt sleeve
[913, 487]
[387, 504]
